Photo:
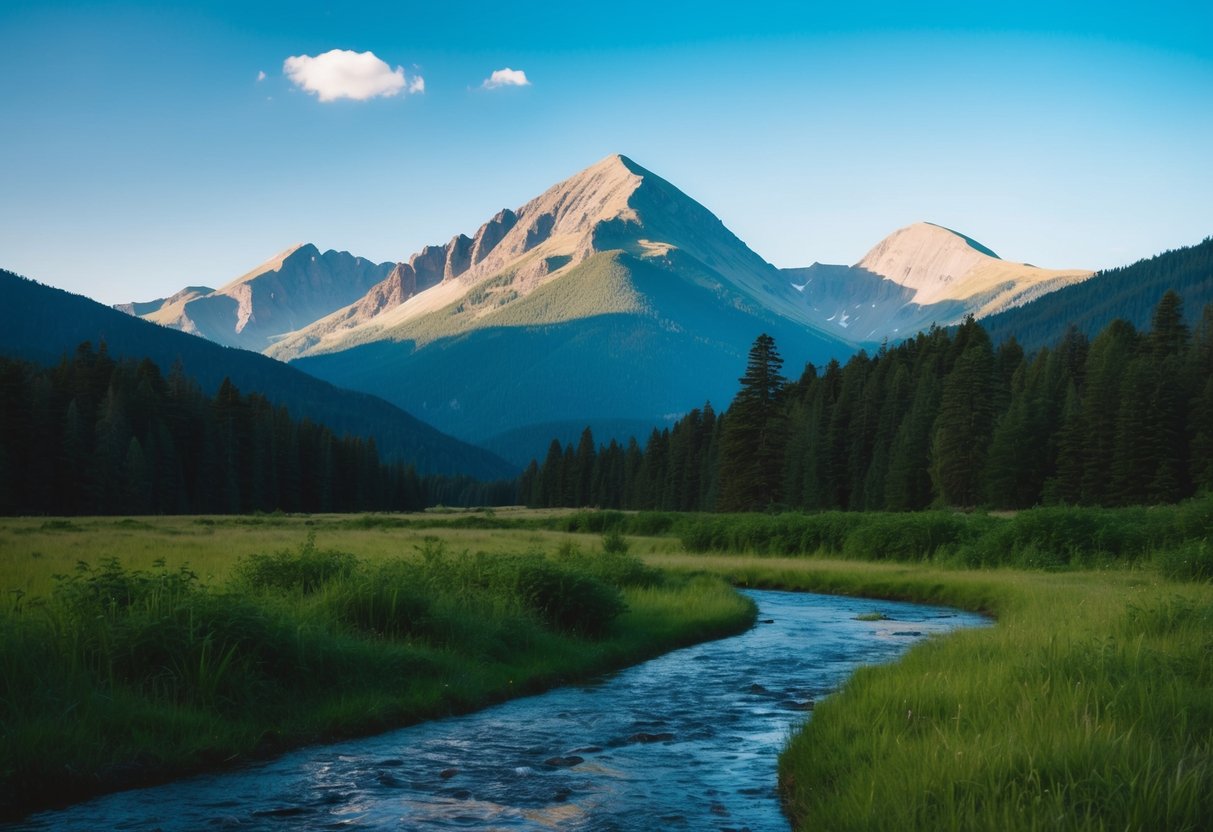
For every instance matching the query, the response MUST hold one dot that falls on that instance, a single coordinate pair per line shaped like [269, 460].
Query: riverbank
[1089, 706]
[126, 673]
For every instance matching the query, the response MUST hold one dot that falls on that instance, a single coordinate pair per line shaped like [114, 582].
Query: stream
[686, 741]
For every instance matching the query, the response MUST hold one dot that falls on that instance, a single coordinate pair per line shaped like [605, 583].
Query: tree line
[93, 435]
[942, 419]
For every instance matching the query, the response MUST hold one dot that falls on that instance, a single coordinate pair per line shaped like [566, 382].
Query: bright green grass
[1089, 705]
[32, 550]
[248, 640]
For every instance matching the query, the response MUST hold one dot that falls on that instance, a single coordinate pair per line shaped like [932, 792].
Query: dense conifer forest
[94, 435]
[1128, 292]
[942, 419]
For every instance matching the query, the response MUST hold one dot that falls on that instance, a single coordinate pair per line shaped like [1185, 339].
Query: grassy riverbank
[126, 670]
[1088, 706]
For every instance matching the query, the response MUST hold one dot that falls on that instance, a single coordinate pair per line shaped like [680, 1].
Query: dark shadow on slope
[40, 323]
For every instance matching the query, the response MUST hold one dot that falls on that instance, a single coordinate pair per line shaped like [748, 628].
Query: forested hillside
[40, 323]
[1129, 292]
[943, 419]
[97, 436]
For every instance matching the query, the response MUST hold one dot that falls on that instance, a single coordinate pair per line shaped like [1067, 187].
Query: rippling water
[686, 741]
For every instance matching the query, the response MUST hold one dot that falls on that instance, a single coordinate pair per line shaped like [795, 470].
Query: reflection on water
[686, 741]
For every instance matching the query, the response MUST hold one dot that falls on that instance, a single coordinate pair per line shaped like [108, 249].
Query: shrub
[387, 601]
[568, 600]
[614, 543]
[306, 570]
[1190, 561]
[904, 537]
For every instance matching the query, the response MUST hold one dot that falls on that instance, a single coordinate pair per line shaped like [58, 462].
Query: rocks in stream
[564, 762]
[794, 705]
[644, 737]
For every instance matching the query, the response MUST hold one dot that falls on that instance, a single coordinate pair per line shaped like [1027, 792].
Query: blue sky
[141, 152]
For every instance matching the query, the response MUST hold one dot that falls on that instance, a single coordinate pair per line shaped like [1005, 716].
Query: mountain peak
[939, 264]
[928, 258]
[966, 239]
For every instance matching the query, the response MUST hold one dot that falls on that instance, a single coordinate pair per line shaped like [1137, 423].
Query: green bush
[905, 537]
[306, 570]
[388, 601]
[1190, 561]
[566, 599]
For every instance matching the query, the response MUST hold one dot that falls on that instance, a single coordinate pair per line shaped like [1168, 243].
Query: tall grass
[122, 675]
[1036, 538]
[1089, 706]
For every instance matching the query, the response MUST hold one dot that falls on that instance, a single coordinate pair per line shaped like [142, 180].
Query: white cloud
[506, 78]
[261, 75]
[341, 73]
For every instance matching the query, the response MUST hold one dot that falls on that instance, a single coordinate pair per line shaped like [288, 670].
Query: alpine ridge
[610, 299]
[285, 293]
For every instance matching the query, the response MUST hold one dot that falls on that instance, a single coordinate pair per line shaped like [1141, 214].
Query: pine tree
[1111, 352]
[753, 439]
[964, 425]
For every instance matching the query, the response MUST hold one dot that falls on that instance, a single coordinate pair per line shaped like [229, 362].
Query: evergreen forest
[943, 419]
[95, 435]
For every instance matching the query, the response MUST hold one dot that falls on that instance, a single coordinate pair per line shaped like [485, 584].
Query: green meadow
[1087, 705]
[136, 650]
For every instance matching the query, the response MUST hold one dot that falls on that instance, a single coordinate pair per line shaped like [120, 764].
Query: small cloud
[341, 73]
[506, 78]
[261, 75]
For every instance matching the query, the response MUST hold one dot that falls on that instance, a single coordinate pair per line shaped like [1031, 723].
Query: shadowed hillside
[40, 323]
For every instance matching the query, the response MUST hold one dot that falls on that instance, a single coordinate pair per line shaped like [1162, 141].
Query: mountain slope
[612, 296]
[920, 275]
[285, 293]
[614, 205]
[632, 363]
[40, 323]
[1130, 292]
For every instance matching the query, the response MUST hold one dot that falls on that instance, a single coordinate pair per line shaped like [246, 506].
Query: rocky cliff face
[287, 292]
[612, 206]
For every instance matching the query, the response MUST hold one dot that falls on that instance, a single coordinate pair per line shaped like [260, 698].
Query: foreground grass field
[135, 651]
[1088, 706]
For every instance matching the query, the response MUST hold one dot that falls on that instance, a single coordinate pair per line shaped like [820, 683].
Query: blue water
[685, 741]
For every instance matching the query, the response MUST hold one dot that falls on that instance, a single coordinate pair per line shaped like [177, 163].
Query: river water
[685, 741]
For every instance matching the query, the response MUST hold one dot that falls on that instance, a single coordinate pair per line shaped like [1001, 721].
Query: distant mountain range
[40, 324]
[612, 299]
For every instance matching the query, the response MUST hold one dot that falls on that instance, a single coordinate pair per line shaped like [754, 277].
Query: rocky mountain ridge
[615, 273]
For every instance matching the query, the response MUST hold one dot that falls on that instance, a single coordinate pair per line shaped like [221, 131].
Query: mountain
[612, 297]
[285, 293]
[40, 323]
[920, 275]
[1130, 292]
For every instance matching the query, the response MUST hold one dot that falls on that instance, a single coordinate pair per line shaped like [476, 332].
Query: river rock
[793, 705]
[564, 762]
[644, 737]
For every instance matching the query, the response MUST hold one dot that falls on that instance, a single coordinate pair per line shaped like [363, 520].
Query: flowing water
[685, 741]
